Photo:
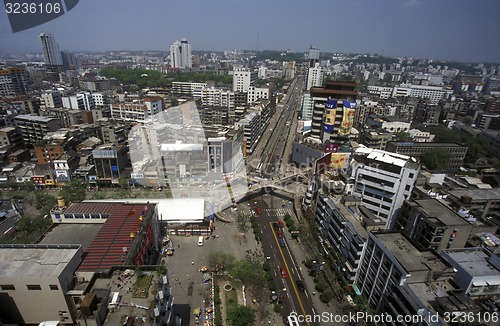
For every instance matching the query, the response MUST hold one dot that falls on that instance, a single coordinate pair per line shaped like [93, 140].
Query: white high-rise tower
[50, 50]
[180, 54]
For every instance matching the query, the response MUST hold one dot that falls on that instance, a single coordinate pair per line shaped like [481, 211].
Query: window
[34, 287]
[7, 287]
[53, 287]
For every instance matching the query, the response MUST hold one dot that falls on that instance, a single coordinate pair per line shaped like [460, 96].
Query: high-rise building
[314, 77]
[70, 61]
[14, 80]
[383, 181]
[180, 54]
[313, 56]
[50, 50]
[51, 56]
[333, 109]
[396, 279]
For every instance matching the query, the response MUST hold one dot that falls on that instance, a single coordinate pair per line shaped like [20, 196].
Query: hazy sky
[465, 30]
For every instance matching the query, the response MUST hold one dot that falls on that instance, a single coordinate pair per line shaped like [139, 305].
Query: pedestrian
[178, 245]
[192, 263]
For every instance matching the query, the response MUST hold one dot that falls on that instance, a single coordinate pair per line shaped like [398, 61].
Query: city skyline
[461, 30]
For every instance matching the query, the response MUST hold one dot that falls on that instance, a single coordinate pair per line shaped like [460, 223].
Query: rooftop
[112, 243]
[383, 156]
[35, 260]
[172, 210]
[478, 194]
[412, 259]
[434, 208]
[475, 262]
[34, 117]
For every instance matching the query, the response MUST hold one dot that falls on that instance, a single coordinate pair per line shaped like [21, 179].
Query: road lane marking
[288, 270]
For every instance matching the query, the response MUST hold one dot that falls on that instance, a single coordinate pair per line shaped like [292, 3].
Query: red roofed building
[129, 234]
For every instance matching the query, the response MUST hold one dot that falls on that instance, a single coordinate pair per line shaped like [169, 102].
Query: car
[284, 274]
[258, 210]
[300, 285]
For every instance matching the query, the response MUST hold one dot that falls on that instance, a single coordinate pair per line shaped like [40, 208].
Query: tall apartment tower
[51, 56]
[50, 50]
[180, 54]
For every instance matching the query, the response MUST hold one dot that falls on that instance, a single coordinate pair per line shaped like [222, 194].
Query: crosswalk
[275, 212]
[278, 211]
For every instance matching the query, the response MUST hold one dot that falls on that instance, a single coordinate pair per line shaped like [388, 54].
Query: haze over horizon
[460, 30]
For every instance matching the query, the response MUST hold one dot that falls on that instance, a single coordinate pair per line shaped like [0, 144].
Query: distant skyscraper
[70, 61]
[313, 56]
[51, 56]
[50, 50]
[180, 54]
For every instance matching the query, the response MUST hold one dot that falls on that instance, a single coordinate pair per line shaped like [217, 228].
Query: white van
[200, 241]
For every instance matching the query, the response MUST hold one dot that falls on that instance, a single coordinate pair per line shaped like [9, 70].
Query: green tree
[241, 316]
[436, 159]
[219, 260]
[402, 136]
[242, 222]
[73, 191]
[44, 201]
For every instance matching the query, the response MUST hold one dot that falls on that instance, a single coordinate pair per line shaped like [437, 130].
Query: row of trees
[142, 78]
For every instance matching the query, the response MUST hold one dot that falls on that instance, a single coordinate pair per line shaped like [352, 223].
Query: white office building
[217, 97]
[314, 77]
[434, 93]
[382, 180]
[138, 111]
[190, 89]
[256, 93]
[243, 79]
[180, 54]
[80, 101]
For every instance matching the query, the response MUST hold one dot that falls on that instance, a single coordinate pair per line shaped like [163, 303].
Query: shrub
[326, 297]
[321, 286]
[271, 285]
